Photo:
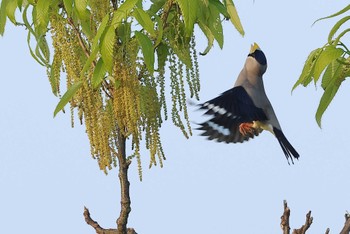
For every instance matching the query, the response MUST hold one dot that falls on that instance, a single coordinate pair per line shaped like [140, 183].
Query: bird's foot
[246, 129]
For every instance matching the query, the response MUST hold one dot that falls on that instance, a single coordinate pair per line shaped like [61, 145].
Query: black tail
[287, 148]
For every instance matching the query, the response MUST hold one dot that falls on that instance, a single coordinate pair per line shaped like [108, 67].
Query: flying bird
[244, 111]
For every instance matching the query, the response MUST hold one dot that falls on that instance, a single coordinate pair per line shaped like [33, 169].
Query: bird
[244, 111]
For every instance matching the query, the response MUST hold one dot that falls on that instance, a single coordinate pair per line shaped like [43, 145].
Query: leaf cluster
[330, 64]
[115, 55]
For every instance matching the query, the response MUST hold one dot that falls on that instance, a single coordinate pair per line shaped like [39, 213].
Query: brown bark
[285, 221]
[99, 229]
[124, 185]
[285, 218]
[346, 228]
[125, 196]
[306, 226]
[308, 221]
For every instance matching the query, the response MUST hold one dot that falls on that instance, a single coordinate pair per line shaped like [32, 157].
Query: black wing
[229, 110]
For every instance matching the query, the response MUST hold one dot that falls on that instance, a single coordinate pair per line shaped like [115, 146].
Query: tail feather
[287, 148]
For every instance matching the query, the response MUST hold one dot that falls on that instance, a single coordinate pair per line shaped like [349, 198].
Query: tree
[308, 221]
[331, 62]
[108, 49]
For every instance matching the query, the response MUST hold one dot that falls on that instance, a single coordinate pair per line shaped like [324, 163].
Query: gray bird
[245, 111]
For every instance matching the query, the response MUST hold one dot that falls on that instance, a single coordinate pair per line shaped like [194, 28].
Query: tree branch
[306, 226]
[105, 85]
[115, 4]
[99, 229]
[80, 38]
[346, 228]
[285, 218]
[166, 11]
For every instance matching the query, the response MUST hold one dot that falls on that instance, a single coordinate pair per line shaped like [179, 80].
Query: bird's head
[256, 61]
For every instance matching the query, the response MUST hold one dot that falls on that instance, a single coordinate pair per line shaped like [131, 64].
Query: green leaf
[336, 27]
[147, 50]
[41, 16]
[189, 14]
[327, 97]
[86, 26]
[145, 21]
[99, 74]
[160, 30]
[208, 16]
[42, 50]
[10, 11]
[139, 4]
[335, 14]
[32, 52]
[19, 4]
[68, 5]
[341, 35]
[210, 37]
[3, 7]
[30, 32]
[333, 70]
[221, 8]
[95, 44]
[81, 7]
[123, 12]
[67, 97]
[231, 9]
[328, 55]
[306, 75]
[156, 6]
[124, 32]
[214, 23]
[26, 22]
[107, 48]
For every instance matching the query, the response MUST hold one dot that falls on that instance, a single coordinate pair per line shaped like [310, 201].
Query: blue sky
[47, 174]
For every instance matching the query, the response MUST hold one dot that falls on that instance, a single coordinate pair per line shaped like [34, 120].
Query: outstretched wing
[228, 111]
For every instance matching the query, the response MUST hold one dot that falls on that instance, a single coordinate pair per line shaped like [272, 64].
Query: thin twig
[115, 4]
[105, 85]
[306, 226]
[95, 225]
[90, 221]
[285, 218]
[166, 11]
[80, 38]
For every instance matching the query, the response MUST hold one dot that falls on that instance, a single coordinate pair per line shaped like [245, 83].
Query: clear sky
[47, 174]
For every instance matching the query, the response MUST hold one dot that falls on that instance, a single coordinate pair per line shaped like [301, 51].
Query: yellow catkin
[87, 109]
[136, 99]
[57, 31]
[99, 9]
[195, 68]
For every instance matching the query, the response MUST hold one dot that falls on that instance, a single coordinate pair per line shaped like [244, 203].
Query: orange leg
[246, 128]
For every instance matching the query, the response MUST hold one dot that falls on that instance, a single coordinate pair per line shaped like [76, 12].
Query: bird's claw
[246, 129]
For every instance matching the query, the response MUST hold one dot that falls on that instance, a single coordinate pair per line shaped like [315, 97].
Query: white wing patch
[219, 128]
[217, 109]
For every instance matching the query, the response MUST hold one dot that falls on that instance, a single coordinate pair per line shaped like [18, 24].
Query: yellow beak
[254, 47]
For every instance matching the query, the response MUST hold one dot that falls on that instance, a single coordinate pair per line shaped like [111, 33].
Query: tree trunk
[125, 201]
[124, 186]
